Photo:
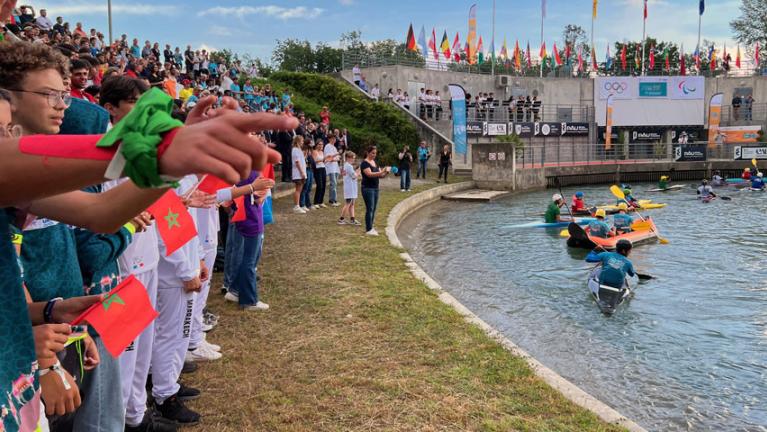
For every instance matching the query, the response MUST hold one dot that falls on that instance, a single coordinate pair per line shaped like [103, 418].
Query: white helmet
[556, 197]
[759, 175]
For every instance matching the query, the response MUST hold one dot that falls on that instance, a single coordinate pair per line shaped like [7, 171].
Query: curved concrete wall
[566, 388]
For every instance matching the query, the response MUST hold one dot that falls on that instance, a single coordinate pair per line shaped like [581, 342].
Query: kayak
[607, 297]
[707, 199]
[750, 189]
[734, 180]
[581, 239]
[563, 223]
[668, 189]
[643, 205]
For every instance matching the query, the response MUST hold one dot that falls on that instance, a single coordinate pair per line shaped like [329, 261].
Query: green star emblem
[112, 298]
[172, 219]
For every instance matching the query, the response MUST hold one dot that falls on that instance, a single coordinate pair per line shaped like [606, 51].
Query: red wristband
[66, 146]
[166, 142]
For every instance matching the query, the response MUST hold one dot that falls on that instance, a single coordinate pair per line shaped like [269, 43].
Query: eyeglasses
[54, 97]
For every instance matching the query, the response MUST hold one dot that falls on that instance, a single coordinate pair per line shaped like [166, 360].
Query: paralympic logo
[616, 86]
[685, 89]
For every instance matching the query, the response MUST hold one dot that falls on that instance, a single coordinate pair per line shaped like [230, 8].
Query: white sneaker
[298, 210]
[234, 298]
[402, 190]
[355, 223]
[372, 232]
[207, 327]
[323, 205]
[341, 222]
[335, 204]
[315, 207]
[305, 209]
[202, 354]
[209, 346]
[256, 307]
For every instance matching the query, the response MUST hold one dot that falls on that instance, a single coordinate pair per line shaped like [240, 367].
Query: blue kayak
[564, 223]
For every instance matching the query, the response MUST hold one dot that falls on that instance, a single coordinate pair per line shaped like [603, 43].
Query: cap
[556, 197]
[600, 213]
[623, 206]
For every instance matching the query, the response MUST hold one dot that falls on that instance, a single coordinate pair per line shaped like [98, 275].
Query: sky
[253, 26]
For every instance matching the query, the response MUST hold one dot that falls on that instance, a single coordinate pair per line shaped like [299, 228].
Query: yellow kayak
[643, 205]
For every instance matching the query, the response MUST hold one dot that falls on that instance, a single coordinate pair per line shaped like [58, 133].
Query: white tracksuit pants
[201, 300]
[135, 360]
[172, 331]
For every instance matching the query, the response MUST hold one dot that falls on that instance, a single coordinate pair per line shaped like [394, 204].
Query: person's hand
[91, 359]
[204, 110]
[204, 272]
[50, 339]
[200, 199]
[6, 9]
[221, 146]
[65, 311]
[262, 183]
[58, 400]
[142, 221]
[193, 285]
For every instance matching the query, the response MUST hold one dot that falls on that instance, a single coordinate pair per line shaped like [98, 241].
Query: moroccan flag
[239, 213]
[121, 315]
[557, 57]
[174, 223]
[529, 58]
[411, 45]
[737, 58]
[594, 65]
[682, 66]
[580, 59]
[652, 57]
[637, 58]
[756, 55]
[667, 59]
[457, 48]
[480, 53]
[433, 44]
[211, 184]
[623, 57]
[445, 46]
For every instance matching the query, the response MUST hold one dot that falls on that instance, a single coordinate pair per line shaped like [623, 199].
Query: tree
[294, 55]
[224, 56]
[751, 26]
[327, 59]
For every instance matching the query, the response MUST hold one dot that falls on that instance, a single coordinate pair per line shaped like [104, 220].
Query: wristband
[56, 367]
[131, 228]
[17, 239]
[48, 310]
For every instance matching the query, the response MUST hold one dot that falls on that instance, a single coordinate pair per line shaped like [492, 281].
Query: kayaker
[663, 182]
[622, 221]
[615, 265]
[717, 179]
[705, 191]
[746, 174]
[632, 202]
[553, 214]
[758, 181]
[599, 227]
[578, 205]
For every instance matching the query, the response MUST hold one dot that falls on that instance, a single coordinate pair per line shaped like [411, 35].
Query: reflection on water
[688, 352]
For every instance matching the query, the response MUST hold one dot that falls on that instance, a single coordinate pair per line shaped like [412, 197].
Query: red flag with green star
[121, 316]
[174, 223]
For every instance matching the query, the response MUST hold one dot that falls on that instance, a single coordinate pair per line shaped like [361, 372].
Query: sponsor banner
[522, 130]
[714, 117]
[646, 135]
[654, 87]
[548, 129]
[687, 135]
[476, 128]
[737, 134]
[458, 98]
[575, 129]
[609, 122]
[602, 134]
[687, 87]
[496, 129]
[748, 153]
[618, 87]
[689, 153]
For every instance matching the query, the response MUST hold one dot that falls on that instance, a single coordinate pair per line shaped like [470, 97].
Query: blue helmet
[579, 194]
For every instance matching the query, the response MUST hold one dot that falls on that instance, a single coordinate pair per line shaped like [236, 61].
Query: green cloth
[140, 133]
[663, 184]
[552, 211]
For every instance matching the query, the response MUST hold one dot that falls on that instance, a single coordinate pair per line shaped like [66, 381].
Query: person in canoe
[615, 265]
[553, 214]
[632, 202]
[599, 227]
[663, 183]
[758, 181]
[579, 206]
[746, 174]
[621, 220]
[705, 191]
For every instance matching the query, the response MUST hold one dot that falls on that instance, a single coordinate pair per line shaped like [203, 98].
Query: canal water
[687, 352]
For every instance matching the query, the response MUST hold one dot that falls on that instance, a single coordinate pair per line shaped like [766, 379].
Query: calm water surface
[688, 352]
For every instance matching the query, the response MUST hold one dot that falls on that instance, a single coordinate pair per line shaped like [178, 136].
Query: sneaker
[256, 307]
[372, 232]
[209, 318]
[153, 424]
[210, 346]
[187, 393]
[341, 222]
[407, 190]
[189, 367]
[298, 210]
[335, 204]
[174, 409]
[200, 354]
[323, 205]
[355, 223]
[232, 297]
[305, 209]
[402, 190]
[315, 207]
[207, 327]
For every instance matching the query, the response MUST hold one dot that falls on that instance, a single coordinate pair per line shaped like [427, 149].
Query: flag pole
[492, 45]
[644, 33]
[543, 15]
[700, 18]
[109, 12]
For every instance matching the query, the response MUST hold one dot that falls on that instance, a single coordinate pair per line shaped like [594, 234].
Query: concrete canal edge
[565, 387]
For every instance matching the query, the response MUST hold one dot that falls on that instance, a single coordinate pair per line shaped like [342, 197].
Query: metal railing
[756, 114]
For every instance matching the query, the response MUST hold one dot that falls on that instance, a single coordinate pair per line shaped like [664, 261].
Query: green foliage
[368, 122]
[751, 26]
[512, 139]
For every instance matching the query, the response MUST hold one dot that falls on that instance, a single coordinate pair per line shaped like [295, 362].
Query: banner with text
[458, 98]
[748, 153]
[689, 153]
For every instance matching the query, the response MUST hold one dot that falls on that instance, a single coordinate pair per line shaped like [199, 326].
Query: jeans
[404, 178]
[306, 193]
[245, 283]
[333, 177]
[370, 196]
[443, 169]
[232, 256]
[421, 168]
[319, 193]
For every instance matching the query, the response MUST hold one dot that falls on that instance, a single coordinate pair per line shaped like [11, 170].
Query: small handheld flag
[174, 223]
[211, 184]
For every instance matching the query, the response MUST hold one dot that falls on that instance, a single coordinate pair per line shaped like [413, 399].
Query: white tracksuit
[174, 325]
[207, 226]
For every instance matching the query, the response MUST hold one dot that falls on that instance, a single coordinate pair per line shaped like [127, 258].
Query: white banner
[684, 87]
[496, 129]
[619, 87]
[748, 153]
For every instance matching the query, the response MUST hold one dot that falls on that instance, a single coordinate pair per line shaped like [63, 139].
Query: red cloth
[211, 184]
[174, 223]
[239, 214]
[578, 204]
[121, 315]
[66, 146]
[746, 175]
[80, 94]
[268, 171]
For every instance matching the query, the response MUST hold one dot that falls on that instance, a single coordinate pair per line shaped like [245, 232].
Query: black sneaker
[153, 424]
[174, 409]
[187, 393]
[189, 367]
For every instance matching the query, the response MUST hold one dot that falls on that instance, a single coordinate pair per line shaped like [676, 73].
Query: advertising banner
[602, 135]
[653, 87]
[458, 98]
[714, 117]
[737, 134]
[687, 87]
[523, 130]
[689, 153]
[548, 129]
[686, 135]
[575, 129]
[496, 129]
[609, 124]
[748, 153]
[476, 128]
[619, 87]
[646, 135]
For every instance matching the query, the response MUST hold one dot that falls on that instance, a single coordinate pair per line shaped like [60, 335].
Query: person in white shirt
[298, 174]
[357, 74]
[375, 92]
[350, 190]
[421, 104]
[43, 21]
[331, 168]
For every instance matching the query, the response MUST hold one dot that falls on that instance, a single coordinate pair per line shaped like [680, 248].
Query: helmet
[579, 194]
[556, 197]
[626, 186]
[627, 191]
[622, 246]
[759, 174]
[664, 177]
[623, 206]
[747, 170]
[704, 182]
[600, 213]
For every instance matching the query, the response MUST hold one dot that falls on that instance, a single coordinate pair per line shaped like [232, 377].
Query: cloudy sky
[253, 26]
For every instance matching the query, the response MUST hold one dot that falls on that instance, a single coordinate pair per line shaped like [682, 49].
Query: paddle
[572, 227]
[756, 167]
[620, 195]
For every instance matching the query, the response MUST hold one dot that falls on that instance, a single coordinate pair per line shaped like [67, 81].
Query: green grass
[353, 342]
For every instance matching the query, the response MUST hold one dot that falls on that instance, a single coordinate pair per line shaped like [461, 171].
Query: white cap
[759, 174]
[556, 197]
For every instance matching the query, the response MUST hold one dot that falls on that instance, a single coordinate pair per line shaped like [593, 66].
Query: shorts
[299, 181]
[350, 200]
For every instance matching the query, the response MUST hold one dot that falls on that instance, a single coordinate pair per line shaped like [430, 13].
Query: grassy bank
[354, 342]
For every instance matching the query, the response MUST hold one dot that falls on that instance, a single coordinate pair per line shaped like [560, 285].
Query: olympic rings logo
[616, 86]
